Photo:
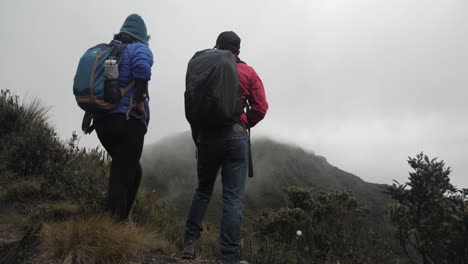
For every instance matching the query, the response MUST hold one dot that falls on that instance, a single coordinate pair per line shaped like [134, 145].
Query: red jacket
[253, 91]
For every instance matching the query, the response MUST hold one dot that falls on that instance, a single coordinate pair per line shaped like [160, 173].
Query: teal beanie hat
[135, 27]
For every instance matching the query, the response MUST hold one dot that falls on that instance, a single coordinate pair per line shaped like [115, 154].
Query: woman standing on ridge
[122, 130]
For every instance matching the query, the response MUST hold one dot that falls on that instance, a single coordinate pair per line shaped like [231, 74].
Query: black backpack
[213, 96]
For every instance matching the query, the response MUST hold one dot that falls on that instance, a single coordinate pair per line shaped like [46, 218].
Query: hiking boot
[188, 252]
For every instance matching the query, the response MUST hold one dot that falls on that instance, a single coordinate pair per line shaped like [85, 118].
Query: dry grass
[209, 242]
[60, 209]
[13, 226]
[23, 189]
[99, 239]
[152, 213]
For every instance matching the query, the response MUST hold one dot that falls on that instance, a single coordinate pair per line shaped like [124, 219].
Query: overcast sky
[364, 83]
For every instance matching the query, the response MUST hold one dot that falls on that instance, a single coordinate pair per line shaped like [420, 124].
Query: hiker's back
[222, 148]
[136, 64]
[212, 97]
[121, 129]
[245, 73]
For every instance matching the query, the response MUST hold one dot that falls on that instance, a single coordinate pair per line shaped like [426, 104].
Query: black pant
[123, 139]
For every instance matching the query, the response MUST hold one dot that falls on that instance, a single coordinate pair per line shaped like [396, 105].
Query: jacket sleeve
[257, 100]
[141, 61]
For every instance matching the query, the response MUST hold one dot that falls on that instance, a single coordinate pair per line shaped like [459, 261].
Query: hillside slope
[170, 168]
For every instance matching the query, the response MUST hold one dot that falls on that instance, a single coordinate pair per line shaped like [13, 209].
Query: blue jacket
[136, 64]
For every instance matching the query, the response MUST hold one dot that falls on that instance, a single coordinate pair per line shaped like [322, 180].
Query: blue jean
[228, 150]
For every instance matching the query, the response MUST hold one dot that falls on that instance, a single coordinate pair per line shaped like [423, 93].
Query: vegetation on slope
[170, 167]
[52, 195]
[52, 198]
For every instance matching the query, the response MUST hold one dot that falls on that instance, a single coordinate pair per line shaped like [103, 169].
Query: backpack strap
[123, 91]
[238, 60]
[86, 125]
[118, 50]
[251, 174]
[130, 107]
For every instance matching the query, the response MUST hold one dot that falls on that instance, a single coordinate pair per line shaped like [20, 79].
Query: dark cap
[228, 40]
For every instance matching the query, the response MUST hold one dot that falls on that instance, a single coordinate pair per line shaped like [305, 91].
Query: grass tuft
[58, 210]
[99, 239]
[23, 190]
[13, 226]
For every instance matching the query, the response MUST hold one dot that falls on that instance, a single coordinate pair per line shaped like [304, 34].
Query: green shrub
[27, 143]
[323, 227]
[430, 214]
[41, 177]
[23, 190]
[83, 178]
[35, 166]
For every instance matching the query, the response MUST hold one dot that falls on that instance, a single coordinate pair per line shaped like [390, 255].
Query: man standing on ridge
[225, 147]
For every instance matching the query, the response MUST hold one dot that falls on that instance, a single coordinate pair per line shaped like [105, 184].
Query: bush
[83, 177]
[27, 143]
[430, 214]
[325, 227]
[36, 167]
[23, 190]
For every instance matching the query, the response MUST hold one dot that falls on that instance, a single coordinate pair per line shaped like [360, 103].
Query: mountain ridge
[170, 170]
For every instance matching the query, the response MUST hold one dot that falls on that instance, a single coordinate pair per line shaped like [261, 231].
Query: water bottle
[111, 81]
[111, 68]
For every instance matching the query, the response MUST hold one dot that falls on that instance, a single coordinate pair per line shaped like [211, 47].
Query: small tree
[328, 226]
[430, 214]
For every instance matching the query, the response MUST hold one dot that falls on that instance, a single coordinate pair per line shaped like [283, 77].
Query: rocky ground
[161, 258]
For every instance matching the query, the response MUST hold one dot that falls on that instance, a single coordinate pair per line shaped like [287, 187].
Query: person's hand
[140, 106]
[86, 124]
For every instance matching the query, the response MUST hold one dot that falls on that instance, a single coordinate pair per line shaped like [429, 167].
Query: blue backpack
[94, 91]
